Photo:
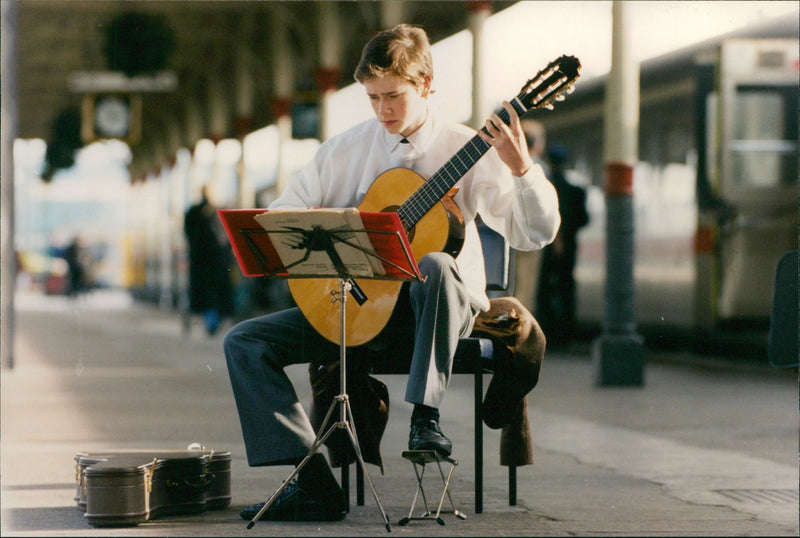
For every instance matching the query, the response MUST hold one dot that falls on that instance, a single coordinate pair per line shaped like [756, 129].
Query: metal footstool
[418, 459]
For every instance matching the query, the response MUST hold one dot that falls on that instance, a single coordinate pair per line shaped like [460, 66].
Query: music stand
[257, 256]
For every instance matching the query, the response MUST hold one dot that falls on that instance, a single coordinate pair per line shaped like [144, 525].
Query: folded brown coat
[510, 325]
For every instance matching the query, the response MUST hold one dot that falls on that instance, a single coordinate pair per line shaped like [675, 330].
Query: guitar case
[128, 487]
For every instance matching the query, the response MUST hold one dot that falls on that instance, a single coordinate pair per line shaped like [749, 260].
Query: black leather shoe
[296, 504]
[426, 435]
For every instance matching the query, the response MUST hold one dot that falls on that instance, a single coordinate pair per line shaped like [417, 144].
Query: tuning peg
[560, 97]
[570, 88]
[549, 106]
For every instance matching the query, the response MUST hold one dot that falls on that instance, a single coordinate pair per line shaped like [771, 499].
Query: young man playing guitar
[512, 196]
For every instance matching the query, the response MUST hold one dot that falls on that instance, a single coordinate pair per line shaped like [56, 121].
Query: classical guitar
[431, 218]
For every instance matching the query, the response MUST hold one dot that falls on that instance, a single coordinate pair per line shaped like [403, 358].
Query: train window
[763, 148]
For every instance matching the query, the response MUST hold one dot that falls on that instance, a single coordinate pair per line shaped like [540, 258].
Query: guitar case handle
[184, 486]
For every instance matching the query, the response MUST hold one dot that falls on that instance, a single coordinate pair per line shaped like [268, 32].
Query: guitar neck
[434, 189]
[538, 92]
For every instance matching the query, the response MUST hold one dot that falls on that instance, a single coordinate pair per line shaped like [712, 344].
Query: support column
[217, 107]
[329, 55]
[479, 12]
[165, 282]
[283, 85]
[193, 122]
[281, 108]
[225, 187]
[244, 122]
[8, 132]
[619, 352]
[177, 182]
[392, 13]
[244, 85]
[328, 83]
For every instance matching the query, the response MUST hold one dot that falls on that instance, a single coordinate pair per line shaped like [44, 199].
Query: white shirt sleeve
[523, 209]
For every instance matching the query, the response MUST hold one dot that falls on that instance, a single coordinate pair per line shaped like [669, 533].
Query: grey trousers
[432, 314]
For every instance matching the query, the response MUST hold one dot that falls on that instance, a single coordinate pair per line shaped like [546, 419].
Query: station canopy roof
[63, 44]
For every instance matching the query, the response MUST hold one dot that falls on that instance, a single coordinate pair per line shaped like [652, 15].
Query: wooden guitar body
[440, 230]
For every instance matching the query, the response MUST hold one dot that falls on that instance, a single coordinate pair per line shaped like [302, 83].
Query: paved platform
[708, 447]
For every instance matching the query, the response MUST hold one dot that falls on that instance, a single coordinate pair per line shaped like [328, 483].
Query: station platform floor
[707, 447]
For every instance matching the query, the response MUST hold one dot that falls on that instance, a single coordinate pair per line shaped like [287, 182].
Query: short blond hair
[403, 51]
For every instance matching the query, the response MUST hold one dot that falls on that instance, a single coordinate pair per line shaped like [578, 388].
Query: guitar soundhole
[409, 232]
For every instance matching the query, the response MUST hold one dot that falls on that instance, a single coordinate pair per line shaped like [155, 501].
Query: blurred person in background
[555, 300]
[76, 269]
[210, 288]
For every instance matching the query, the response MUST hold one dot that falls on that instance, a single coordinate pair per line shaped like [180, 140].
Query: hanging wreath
[138, 43]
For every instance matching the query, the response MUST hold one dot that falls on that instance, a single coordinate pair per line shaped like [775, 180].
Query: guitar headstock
[550, 83]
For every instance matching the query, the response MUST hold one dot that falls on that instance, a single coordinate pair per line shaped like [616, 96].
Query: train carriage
[716, 185]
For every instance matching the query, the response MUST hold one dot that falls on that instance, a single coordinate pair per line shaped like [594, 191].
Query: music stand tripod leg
[351, 434]
[318, 442]
[345, 420]
[315, 446]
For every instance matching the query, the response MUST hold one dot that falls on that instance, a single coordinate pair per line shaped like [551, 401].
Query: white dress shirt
[523, 209]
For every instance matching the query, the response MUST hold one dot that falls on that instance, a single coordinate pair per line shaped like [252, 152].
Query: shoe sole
[443, 453]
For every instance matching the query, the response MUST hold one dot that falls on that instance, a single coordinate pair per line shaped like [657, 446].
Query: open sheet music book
[293, 237]
[256, 247]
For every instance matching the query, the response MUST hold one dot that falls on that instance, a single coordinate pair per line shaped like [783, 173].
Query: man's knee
[437, 265]
[441, 279]
[234, 339]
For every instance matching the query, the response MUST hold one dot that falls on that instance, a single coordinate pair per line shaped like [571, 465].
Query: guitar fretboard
[419, 203]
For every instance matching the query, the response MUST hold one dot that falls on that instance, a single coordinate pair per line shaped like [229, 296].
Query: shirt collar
[419, 140]
[392, 140]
